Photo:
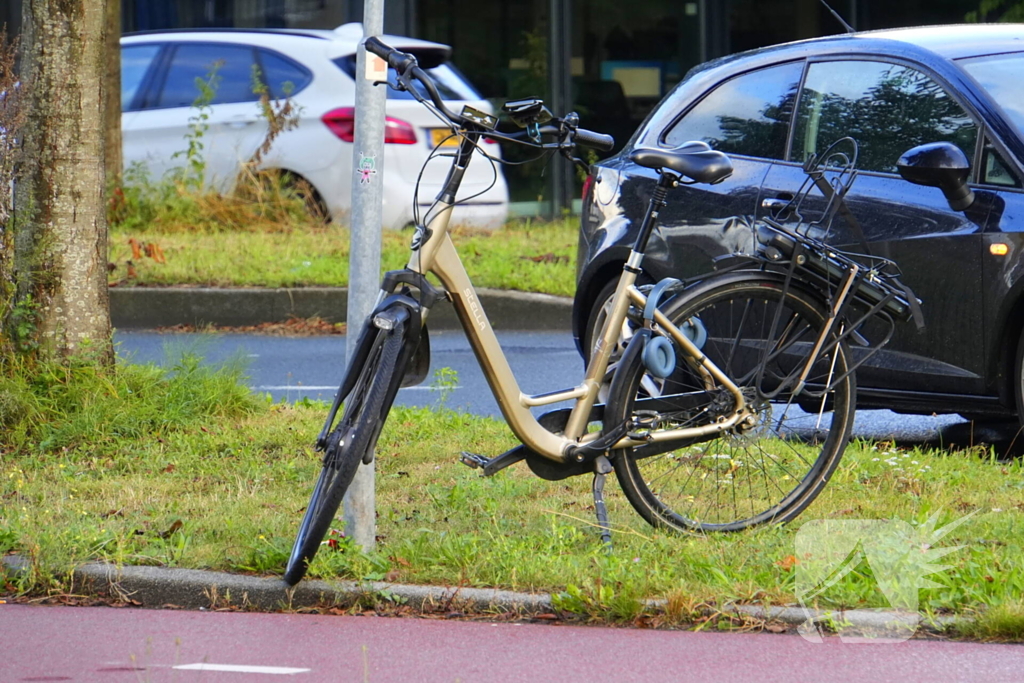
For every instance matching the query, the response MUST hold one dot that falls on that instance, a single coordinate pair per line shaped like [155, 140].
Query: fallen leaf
[177, 524]
[788, 562]
[545, 258]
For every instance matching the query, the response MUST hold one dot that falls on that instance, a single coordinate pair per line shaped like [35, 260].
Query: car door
[203, 93]
[747, 116]
[889, 108]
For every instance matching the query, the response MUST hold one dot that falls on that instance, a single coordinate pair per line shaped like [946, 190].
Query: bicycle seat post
[666, 181]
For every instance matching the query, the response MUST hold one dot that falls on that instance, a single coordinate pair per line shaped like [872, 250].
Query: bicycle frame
[437, 255]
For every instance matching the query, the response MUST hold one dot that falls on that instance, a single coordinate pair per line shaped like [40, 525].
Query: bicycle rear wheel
[354, 436]
[760, 336]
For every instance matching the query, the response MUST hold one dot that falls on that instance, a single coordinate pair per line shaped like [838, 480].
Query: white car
[315, 67]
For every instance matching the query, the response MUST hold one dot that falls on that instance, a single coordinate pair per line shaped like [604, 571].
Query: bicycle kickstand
[601, 468]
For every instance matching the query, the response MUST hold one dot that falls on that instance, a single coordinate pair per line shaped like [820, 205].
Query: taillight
[587, 184]
[342, 122]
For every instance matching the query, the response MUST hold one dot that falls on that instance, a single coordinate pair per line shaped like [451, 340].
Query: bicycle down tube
[438, 255]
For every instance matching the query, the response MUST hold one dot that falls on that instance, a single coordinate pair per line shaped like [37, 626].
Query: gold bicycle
[722, 404]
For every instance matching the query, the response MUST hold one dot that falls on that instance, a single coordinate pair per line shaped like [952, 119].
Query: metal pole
[364, 258]
[560, 82]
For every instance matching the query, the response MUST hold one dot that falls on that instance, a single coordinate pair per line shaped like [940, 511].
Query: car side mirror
[941, 165]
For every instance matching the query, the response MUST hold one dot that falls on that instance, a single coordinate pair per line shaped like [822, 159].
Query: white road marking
[241, 668]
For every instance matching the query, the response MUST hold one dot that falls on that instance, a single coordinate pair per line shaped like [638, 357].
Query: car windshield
[451, 84]
[1000, 76]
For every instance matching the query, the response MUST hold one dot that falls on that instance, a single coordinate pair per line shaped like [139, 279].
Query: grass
[526, 256]
[168, 232]
[188, 469]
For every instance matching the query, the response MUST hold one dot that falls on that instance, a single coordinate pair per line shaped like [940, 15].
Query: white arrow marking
[241, 668]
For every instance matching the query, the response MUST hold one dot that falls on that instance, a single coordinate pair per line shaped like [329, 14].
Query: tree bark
[112, 84]
[61, 241]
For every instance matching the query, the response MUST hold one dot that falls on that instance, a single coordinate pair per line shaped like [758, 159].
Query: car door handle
[239, 122]
[775, 203]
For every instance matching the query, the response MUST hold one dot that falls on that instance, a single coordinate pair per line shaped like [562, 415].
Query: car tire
[304, 190]
[598, 313]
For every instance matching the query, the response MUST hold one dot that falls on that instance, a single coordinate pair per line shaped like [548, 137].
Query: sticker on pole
[376, 68]
[367, 168]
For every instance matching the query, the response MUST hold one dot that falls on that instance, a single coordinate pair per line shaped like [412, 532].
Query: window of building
[747, 115]
[887, 108]
[231, 67]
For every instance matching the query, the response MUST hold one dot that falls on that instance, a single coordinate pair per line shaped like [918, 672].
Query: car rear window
[451, 84]
[747, 115]
[1000, 76]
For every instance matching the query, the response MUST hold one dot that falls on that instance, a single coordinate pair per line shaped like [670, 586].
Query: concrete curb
[199, 589]
[149, 307]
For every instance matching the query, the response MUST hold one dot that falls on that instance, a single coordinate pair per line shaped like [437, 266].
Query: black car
[771, 109]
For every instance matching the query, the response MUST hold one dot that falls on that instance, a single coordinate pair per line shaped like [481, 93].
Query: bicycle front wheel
[761, 336]
[354, 436]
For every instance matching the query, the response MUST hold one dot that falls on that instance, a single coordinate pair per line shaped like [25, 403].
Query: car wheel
[305, 191]
[599, 311]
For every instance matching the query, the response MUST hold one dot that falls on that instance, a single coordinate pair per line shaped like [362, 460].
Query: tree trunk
[114, 158]
[61, 241]
[10, 123]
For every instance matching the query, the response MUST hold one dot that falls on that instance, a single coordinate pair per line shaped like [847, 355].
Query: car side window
[135, 62]
[283, 76]
[887, 108]
[747, 115]
[995, 171]
[227, 68]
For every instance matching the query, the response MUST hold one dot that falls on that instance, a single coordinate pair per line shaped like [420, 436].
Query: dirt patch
[293, 327]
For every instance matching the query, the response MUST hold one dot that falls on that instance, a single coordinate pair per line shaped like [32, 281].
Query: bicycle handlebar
[600, 141]
[396, 59]
[406, 66]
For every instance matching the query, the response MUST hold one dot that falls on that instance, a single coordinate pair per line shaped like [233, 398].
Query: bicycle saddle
[694, 160]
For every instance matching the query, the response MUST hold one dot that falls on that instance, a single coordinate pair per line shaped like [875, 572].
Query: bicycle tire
[363, 416]
[765, 474]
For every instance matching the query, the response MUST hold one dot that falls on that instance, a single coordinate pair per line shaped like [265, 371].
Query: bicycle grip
[396, 59]
[589, 138]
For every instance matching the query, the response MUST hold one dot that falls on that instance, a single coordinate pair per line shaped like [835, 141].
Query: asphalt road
[294, 367]
[107, 645]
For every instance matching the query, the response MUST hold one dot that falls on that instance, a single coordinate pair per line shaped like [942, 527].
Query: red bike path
[109, 645]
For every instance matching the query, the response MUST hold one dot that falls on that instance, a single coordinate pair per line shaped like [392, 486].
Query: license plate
[443, 137]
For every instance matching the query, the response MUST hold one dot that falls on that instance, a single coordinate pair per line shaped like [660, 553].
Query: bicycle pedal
[492, 465]
[473, 460]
